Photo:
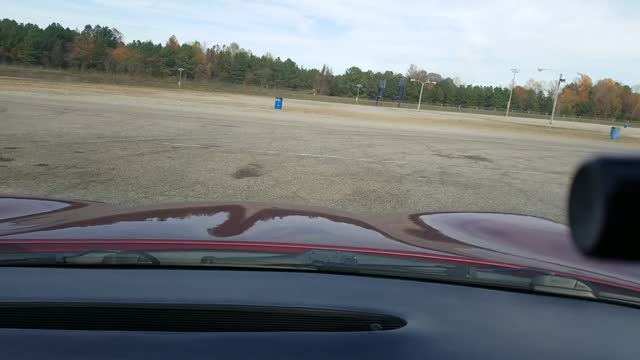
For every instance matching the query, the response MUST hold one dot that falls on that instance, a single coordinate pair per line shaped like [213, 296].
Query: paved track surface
[139, 146]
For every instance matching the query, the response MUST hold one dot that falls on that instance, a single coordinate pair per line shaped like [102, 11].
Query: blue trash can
[278, 104]
[615, 133]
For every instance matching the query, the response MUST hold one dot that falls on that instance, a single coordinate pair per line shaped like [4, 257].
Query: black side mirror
[604, 207]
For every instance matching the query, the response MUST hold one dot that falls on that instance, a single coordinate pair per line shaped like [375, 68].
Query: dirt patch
[448, 156]
[476, 158]
[11, 148]
[6, 159]
[463, 156]
[42, 164]
[251, 170]
[225, 125]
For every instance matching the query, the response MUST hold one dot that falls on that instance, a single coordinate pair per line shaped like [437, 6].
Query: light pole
[513, 84]
[180, 78]
[555, 95]
[358, 94]
[421, 88]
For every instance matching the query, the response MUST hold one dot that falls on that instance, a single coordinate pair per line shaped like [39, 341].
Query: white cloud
[476, 41]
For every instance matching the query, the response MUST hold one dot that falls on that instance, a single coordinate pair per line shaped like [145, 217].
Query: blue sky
[475, 41]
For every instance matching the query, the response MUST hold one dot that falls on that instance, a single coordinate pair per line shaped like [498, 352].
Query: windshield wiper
[346, 262]
[354, 263]
[89, 257]
[336, 261]
[332, 261]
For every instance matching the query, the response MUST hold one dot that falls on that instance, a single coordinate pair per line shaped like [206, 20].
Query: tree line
[102, 49]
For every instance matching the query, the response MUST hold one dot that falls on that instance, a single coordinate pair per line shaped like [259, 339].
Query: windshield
[414, 127]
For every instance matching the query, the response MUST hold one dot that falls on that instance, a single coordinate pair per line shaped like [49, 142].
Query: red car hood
[482, 238]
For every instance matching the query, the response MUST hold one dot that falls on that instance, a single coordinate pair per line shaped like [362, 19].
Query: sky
[473, 40]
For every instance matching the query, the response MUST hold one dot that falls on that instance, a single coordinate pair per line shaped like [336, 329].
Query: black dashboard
[426, 320]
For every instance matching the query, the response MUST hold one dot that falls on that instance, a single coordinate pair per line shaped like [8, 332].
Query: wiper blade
[336, 261]
[110, 257]
[355, 263]
[31, 259]
[89, 257]
[332, 261]
[326, 260]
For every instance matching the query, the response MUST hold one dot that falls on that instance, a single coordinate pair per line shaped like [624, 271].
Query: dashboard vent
[190, 318]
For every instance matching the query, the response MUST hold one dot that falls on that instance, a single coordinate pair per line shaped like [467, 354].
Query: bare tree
[417, 73]
[534, 85]
[322, 82]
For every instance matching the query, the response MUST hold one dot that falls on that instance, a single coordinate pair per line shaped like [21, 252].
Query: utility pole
[555, 98]
[513, 84]
[358, 94]
[556, 93]
[180, 78]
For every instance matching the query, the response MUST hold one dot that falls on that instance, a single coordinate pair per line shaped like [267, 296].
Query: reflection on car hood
[28, 224]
